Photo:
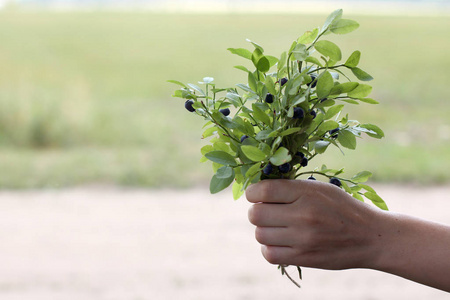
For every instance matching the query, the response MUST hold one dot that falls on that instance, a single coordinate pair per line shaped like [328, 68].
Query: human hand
[312, 224]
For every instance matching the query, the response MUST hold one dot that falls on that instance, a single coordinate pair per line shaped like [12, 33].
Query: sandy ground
[109, 243]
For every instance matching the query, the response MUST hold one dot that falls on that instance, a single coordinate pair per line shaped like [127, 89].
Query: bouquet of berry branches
[287, 113]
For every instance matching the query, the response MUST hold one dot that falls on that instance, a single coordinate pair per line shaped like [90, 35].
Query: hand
[315, 224]
[311, 223]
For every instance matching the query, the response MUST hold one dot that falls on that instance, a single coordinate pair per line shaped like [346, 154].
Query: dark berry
[269, 98]
[188, 105]
[268, 169]
[311, 178]
[334, 133]
[244, 137]
[313, 114]
[283, 81]
[299, 113]
[313, 82]
[323, 100]
[300, 154]
[304, 162]
[225, 111]
[284, 168]
[336, 182]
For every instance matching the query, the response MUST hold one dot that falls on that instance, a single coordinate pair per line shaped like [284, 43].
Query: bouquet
[287, 113]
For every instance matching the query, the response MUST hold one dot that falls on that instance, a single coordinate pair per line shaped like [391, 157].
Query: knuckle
[270, 254]
[253, 214]
[260, 235]
[266, 189]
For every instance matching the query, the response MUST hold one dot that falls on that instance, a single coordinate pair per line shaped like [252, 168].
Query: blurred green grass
[84, 97]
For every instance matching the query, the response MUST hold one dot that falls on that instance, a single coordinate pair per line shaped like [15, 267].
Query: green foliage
[283, 117]
[307, 97]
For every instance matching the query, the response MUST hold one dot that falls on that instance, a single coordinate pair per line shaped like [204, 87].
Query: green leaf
[328, 125]
[333, 17]
[324, 85]
[225, 172]
[205, 149]
[308, 37]
[361, 91]
[241, 52]
[263, 65]
[290, 131]
[260, 115]
[177, 82]
[221, 157]
[264, 134]
[358, 196]
[313, 60]
[347, 139]
[367, 188]
[234, 98]
[353, 59]
[377, 200]
[361, 176]
[368, 100]
[252, 82]
[282, 61]
[242, 68]
[298, 99]
[346, 187]
[378, 132]
[361, 75]
[321, 146]
[253, 153]
[245, 88]
[209, 132]
[196, 88]
[300, 52]
[264, 148]
[253, 170]
[218, 184]
[257, 46]
[351, 101]
[344, 26]
[281, 156]
[260, 61]
[237, 190]
[272, 60]
[329, 49]
[270, 85]
[332, 111]
[342, 88]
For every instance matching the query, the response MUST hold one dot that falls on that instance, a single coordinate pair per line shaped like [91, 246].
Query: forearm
[412, 248]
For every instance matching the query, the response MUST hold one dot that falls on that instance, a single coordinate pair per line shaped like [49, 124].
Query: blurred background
[84, 101]
[84, 97]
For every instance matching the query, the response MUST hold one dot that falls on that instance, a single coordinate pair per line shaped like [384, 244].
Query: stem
[217, 123]
[325, 175]
[316, 39]
[288, 66]
[322, 68]
[284, 272]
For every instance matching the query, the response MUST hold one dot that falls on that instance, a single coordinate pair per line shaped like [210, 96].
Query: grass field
[84, 97]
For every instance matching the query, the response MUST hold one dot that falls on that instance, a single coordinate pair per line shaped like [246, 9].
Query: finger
[268, 214]
[275, 191]
[273, 236]
[278, 255]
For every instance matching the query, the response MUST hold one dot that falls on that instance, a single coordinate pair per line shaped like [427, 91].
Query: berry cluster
[273, 126]
[287, 113]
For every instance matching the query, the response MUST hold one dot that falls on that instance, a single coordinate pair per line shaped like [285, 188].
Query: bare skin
[314, 224]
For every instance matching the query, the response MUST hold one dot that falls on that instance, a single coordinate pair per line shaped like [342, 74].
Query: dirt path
[107, 243]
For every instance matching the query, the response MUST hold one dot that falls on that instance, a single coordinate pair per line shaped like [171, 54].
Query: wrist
[380, 234]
